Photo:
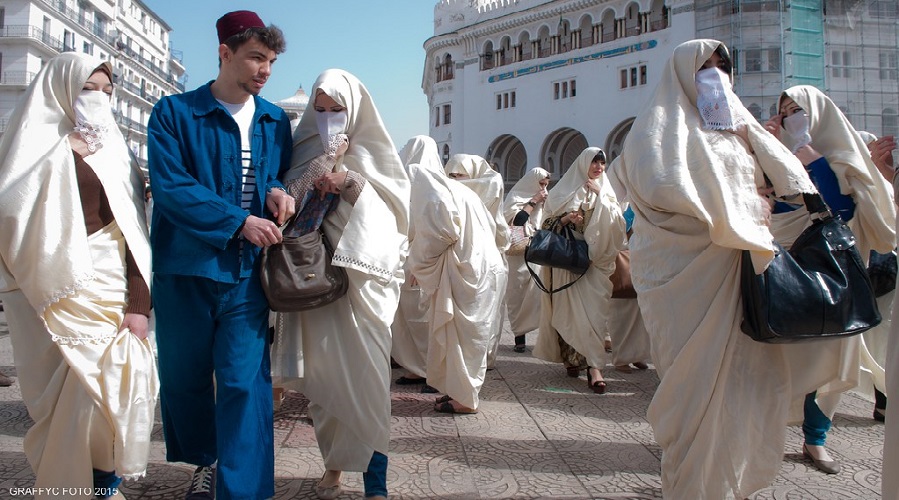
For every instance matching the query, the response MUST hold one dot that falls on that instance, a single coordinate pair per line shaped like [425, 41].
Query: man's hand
[138, 324]
[261, 232]
[281, 205]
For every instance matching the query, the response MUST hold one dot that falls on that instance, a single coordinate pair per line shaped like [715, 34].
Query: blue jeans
[104, 482]
[375, 478]
[815, 423]
[206, 328]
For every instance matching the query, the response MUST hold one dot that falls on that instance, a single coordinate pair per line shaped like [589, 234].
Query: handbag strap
[817, 208]
[542, 287]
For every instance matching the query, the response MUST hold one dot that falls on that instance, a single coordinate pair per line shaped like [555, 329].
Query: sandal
[442, 399]
[573, 371]
[404, 380]
[448, 407]
[624, 368]
[641, 365]
[597, 386]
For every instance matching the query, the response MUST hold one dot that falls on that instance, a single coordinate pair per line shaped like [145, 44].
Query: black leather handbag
[817, 290]
[560, 250]
[882, 269]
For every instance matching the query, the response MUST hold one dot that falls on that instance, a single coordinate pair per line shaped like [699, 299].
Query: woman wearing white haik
[73, 278]
[838, 162]
[339, 355]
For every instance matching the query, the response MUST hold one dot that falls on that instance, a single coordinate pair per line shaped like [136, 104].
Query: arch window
[487, 57]
[585, 33]
[445, 68]
[632, 20]
[755, 110]
[607, 27]
[525, 46]
[564, 36]
[544, 43]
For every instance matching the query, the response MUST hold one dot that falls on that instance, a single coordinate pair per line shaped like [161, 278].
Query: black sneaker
[202, 485]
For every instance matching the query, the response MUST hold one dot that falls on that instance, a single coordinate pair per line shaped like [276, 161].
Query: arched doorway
[615, 142]
[507, 156]
[560, 149]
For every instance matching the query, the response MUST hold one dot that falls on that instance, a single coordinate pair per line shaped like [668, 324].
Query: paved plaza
[539, 434]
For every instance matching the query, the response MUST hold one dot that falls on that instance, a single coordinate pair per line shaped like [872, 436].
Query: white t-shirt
[243, 115]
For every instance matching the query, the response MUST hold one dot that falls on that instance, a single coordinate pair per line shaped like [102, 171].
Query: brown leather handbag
[622, 286]
[297, 274]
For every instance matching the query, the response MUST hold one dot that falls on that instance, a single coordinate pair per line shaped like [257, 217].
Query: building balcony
[98, 31]
[32, 33]
[17, 78]
[137, 91]
[129, 125]
[166, 76]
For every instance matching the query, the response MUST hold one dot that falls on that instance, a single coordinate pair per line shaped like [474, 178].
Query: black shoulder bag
[817, 290]
[561, 250]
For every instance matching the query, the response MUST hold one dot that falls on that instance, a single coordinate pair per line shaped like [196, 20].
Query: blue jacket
[195, 171]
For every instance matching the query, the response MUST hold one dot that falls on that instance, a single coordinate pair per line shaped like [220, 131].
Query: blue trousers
[815, 423]
[206, 328]
[375, 478]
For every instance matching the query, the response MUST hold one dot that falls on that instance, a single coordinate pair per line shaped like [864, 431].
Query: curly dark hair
[270, 36]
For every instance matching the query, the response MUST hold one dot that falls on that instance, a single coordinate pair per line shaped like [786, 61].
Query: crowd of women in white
[426, 251]
[697, 188]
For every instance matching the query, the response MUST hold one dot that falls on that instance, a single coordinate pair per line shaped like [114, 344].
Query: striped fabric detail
[248, 178]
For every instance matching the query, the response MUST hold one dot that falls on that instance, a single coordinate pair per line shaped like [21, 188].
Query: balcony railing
[131, 124]
[33, 32]
[17, 77]
[166, 76]
[79, 18]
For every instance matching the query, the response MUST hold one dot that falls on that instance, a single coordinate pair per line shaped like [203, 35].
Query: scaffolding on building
[846, 48]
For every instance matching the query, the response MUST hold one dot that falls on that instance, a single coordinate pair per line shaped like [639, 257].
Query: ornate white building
[529, 83]
[125, 32]
[294, 106]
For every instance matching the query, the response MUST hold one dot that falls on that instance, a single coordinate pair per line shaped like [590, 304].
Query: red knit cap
[236, 22]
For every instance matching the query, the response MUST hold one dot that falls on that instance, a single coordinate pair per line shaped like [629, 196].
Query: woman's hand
[331, 182]
[807, 155]
[773, 125]
[78, 145]
[337, 145]
[574, 217]
[138, 324]
[882, 155]
[540, 197]
[592, 186]
[767, 202]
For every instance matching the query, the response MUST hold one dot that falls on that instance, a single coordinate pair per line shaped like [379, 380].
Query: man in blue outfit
[215, 155]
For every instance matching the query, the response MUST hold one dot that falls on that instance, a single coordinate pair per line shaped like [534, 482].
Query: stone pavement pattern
[539, 434]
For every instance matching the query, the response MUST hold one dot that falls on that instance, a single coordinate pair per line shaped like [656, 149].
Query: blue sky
[378, 41]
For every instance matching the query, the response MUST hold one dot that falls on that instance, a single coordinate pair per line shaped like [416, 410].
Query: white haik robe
[456, 262]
